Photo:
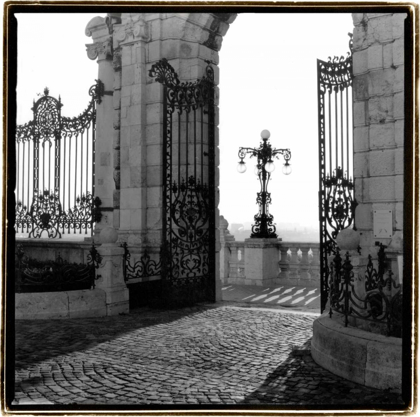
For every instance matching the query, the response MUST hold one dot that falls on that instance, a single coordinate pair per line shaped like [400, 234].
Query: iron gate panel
[337, 202]
[55, 169]
[188, 229]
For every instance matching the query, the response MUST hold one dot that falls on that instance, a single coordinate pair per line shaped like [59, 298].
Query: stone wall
[378, 91]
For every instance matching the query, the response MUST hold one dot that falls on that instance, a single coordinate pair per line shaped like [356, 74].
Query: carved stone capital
[101, 50]
[134, 29]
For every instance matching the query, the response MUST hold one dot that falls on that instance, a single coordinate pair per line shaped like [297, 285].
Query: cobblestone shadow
[40, 340]
[299, 381]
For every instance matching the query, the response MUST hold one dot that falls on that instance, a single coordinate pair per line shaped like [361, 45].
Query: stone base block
[87, 303]
[359, 356]
[60, 305]
[117, 300]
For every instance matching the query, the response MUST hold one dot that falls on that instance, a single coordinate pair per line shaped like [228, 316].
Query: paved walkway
[290, 297]
[212, 355]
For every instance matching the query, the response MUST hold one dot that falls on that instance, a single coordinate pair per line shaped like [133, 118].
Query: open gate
[337, 203]
[188, 225]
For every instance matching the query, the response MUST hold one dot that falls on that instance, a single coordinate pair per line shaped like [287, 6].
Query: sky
[267, 81]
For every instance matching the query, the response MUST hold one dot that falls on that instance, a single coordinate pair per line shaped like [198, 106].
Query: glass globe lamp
[269, 166]
[287, 168]
[241, 167]
[265, 134]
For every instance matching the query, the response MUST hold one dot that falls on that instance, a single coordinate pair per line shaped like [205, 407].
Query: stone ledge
[60, 305]
[359, 356]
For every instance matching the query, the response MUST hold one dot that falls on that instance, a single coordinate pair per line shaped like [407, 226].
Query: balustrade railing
[297, 261]
[55, 169]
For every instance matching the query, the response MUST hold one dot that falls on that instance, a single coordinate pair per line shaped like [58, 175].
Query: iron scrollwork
[340, 206]
[337, 203]
[145, 267]
[188, 198]
[41, 210]
[381, 300]
[33, 275]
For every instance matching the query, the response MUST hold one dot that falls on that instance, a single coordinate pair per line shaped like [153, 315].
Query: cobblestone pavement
[211, 355]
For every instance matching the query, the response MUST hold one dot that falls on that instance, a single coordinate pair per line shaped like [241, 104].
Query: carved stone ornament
[133, 30]
[101, 50]
[116, 60]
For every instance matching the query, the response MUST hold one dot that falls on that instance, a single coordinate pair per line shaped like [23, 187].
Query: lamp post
[264, 227]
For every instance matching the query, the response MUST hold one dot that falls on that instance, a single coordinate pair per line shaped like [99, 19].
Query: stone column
[101, 50]
[139, 184]
[378, 94]
[111, 273]
[261, 261]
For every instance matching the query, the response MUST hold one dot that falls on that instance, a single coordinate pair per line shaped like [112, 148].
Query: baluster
[294, 263]
[284, 263]
[304, 263]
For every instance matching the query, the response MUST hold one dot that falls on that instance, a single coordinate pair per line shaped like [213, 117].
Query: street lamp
[264, 227]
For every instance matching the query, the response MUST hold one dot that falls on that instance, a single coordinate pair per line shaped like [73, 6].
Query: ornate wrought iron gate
[188, 226]
[337, 203]
[55, 169]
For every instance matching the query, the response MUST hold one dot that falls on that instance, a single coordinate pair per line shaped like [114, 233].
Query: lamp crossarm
[244, 151]
[285, 152]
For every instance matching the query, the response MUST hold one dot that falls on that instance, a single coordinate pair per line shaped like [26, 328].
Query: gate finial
[46, 91]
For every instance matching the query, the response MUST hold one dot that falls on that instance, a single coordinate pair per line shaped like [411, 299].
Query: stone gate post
[101, 50]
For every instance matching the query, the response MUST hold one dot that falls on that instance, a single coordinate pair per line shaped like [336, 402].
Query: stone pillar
[111, 273]
[140, 188]
[378, 95]
[261, 261]
[101, 50]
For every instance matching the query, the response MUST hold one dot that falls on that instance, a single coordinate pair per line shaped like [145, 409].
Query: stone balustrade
[295, 263]
[267, 262]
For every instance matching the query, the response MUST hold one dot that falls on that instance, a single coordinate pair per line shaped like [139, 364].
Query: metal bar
[165, 179]
[329, 131]
[341, 123]
[49, 167]
[75, 171]
[347, 131]
[336, 131]
[202, 144]
[87, 159]
[29, 170]
[64, 174]
[17, 173]
[186, 145]
[179, 148]
[69, 171]
[93, 156]
[81, 165]
[195, 144]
